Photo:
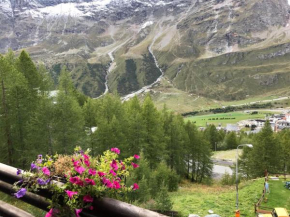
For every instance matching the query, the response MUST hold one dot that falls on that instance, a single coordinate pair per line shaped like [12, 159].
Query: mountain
[221, 49]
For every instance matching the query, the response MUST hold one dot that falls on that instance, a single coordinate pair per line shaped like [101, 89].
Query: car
[276, 212]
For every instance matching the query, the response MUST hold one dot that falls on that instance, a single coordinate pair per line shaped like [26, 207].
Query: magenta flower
[116, 150]
[135, 165]
[135, 186]
[113, 173]
[20, 193]
[86, 157]
[78, 211]
[80, 170]
[101, 174]
[91, 207]
[90, 181]
[87, 162]
[92, 172]
[107, 182]
[136, 156]
[52, 213]
[88, 199]
[46, 171]
[70, 194]
[76, 163]
[80, 183]
[114, 165]
[116, 185]
[74, 180]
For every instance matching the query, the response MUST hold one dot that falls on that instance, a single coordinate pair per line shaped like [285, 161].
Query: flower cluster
[87, 178]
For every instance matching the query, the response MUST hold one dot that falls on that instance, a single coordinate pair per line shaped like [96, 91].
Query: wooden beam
[12, 211]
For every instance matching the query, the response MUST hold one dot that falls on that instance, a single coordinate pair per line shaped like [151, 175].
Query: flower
[80, 170]
[136, 156]
[101, 174]
[86, 157]
[135, 186]
[52, 212]
[90, 181]
[76, 163]
[77, 212]
[114, 165]
[116, 185]
[46, 171]
[74, 180]
[113, 173]
[70, 194]
[33, 166]
[91, 207]
[92, 172]
[116, 150]
[19, 171]
[20, 193]
[88, 199]
[87, 162]
[135, 165]
[40, 181]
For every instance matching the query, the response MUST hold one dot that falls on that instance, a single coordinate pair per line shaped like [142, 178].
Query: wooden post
[12, 211]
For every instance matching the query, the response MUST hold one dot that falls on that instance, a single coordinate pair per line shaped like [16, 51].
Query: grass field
[227, 118]
[279, 196]
[22, 205]
[198, 199]
[226, 155]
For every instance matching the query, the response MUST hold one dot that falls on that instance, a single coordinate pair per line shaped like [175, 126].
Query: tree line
[33, 122]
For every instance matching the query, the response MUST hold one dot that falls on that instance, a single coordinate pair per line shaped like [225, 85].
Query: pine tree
[153, 133]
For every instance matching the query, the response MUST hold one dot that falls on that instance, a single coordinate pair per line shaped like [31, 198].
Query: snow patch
[148, 23]
[288, 2]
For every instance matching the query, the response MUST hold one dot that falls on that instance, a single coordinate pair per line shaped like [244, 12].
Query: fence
[105, 207]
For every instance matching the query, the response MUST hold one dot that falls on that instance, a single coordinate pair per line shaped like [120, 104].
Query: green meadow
[225, 118]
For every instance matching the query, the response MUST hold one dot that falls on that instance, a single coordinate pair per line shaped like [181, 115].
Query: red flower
[135, 186]
[135, 165]
[90, 181]
[101, 174]
[116, 185]
[88, 199]
[92, 172]
[136, 156]
[114, 165]
[113, 173]
[116, 150]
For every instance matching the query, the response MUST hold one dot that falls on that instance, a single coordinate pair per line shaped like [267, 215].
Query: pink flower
[92, 172]
[107, 182]
[74, 180]
[114, 165]
[46, 171]
[80, 170]
[136, 156]
[91, 207]
[51, 213]
[135, 186]
[78, 212]
[87, 162]
[88, 199]
[113, 173]
[135, 165]
[116, 185]
[70, 194]
[90, 181]
[77, 163]
[80, 183]
[86, 157]
[116, 150]
[101, 174]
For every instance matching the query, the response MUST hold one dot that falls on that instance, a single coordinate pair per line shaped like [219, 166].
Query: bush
[163, 202]
[228, 179]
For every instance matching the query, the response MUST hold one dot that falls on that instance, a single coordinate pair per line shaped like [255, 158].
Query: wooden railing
[105, 207]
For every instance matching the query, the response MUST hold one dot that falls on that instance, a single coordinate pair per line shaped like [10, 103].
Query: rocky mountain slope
[222, 49]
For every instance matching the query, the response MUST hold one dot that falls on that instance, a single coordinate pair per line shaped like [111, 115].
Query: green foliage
[228, 179]
[163, 202]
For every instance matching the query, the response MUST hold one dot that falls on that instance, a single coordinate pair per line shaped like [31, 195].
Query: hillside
[218, 49]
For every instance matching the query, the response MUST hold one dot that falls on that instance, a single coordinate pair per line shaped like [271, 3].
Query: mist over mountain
[221, 49]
